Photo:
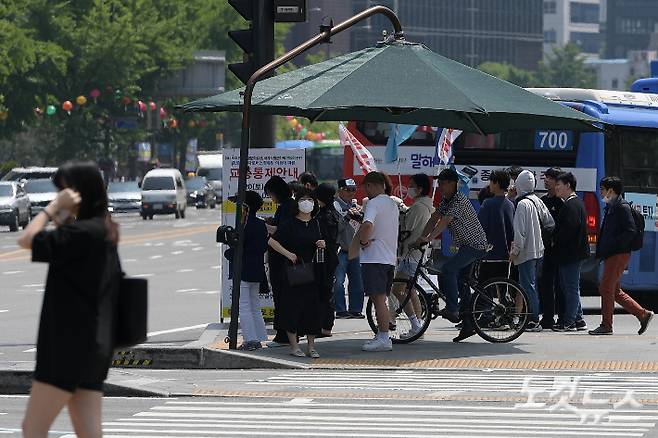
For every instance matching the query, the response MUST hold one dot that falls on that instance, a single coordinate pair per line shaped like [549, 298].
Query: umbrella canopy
[401, 82]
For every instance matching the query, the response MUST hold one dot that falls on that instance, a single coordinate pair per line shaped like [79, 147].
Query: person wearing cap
[346, 206]
[253, 272]
[456, 213]
[328, 218]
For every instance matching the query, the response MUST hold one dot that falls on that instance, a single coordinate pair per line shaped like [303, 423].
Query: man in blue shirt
[496, 216]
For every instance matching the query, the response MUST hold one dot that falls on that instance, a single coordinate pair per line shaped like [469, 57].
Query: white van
[163, 192]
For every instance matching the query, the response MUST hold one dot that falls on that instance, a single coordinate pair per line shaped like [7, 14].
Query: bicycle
[500, 309]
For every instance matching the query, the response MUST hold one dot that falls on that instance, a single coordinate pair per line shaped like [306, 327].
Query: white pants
[251, 318]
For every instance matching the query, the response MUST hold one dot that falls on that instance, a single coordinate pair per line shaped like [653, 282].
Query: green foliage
[563, 68]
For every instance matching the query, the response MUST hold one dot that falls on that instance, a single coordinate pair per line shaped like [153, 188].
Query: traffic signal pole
[263, 72]
[263, 127]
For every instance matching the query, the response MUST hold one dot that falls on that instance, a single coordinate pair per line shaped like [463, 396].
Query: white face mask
[412, 193]
[306, 206]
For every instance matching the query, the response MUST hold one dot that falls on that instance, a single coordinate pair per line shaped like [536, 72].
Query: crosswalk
[405, 403]
[488, 381]
[306, 417]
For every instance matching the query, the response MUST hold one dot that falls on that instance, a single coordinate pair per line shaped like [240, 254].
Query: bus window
[377, 134]
[639, 151]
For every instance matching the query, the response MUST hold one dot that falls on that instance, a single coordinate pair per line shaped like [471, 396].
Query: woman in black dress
[299, 309]
[279, 192]
[78, 304]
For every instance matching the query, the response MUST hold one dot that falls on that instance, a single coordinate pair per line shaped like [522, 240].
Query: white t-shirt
[384, 214]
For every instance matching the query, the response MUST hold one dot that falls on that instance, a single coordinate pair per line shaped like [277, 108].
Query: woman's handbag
[131, 312]
[300, 274]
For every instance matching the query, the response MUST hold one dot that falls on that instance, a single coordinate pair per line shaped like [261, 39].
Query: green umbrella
[401, 82]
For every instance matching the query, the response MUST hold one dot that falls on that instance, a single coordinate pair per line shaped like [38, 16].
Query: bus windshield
[639, 154]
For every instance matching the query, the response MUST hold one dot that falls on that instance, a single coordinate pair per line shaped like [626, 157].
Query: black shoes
[564, 327]
[464, 334]
[600, 330]
[644, 322]
[452, 317]
[356, 315]
[343, 315]
[581, 325]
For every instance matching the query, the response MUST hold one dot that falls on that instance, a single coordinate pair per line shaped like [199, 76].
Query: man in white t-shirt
[378, 238]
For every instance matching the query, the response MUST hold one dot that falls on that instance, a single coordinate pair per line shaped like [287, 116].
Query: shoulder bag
[131, 311]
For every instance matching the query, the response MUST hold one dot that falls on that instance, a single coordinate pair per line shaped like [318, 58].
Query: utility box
[290, 11]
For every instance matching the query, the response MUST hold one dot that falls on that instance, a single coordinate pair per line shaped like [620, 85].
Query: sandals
[297, 353]
[313, 354]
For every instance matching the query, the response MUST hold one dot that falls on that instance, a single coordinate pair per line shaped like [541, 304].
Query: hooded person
[530, 218]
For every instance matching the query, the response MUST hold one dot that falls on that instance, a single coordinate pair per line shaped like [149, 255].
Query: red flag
[361, 153]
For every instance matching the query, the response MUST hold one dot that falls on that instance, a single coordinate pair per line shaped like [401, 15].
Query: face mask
[607, 199]
[412, 192]
[306, 206]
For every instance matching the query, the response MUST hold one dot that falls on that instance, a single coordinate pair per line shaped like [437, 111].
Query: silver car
[14, 205]
[41, 193]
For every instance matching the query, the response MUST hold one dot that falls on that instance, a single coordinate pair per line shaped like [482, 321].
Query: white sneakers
[378, 344]
[413, 332]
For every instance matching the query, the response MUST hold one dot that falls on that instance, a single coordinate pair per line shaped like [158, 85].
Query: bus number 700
[554, 140]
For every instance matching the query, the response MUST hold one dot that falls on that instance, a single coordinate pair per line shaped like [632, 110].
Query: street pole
[261, 73]
[263, 127]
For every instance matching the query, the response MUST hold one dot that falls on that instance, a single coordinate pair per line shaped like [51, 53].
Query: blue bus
[628, 148]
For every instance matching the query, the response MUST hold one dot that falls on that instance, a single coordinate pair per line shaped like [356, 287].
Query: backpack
[638, 238]
[546, 229]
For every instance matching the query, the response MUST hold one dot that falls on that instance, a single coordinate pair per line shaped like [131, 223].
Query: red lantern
[298, 127]
[152, 105]
[163, 113]
[320, 135]
[173, 123]
[142, 106]
[67, 106]
[203, 123]
[289, 118]
[126, 100]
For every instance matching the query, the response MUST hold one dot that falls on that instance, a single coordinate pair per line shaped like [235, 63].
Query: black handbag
[300, 274]
[131, 312]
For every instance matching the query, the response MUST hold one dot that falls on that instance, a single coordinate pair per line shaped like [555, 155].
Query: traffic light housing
[257, 42]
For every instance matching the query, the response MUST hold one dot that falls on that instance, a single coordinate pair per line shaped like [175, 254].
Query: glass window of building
[588, 42]
[550, 7]
[584, 12]
[550, 36]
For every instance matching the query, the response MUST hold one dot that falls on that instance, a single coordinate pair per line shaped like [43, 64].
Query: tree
[565, 67]
[510, 73]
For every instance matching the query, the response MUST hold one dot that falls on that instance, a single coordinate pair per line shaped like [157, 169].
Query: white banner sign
[418, 159]
[646, 204]
[263, 164]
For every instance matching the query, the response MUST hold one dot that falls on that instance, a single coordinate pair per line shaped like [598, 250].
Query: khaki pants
[610, 290]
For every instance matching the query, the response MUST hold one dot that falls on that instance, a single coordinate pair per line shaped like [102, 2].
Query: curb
[19, 382]
[163, 357]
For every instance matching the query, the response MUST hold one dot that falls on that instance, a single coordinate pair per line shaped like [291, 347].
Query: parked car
[163, 192]
[124, 196]
[41, 192]
[25, 173]
[200, 193]
[14, 206]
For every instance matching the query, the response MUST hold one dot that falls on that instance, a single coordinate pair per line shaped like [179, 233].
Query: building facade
[629, 26]
[469, 31]
[573, 21]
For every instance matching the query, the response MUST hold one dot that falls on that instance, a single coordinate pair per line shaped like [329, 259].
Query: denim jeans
[351, 268]
[458, 266]
[569, 276]
[528, 281]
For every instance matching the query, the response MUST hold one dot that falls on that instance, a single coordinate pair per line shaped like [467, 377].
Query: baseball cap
[348, 183]
[448, 175]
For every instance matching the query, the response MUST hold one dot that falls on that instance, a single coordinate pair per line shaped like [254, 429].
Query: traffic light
[257, 42]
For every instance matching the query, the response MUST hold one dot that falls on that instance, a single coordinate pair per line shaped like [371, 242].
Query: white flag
[361, 153]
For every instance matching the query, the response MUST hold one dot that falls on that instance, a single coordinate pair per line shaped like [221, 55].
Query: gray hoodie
[528, 244]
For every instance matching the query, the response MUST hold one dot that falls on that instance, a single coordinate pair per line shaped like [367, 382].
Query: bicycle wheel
[501, 310]
[399, 324]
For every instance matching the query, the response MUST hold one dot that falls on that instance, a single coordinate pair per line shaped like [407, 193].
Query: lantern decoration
[51, 110]
[310, 135]
[173, 123]
[142, 107]
[298, 128]
[126, 100]
[3, 116]
[81, 100]
[163, 113]
[152, 106]
[191, 123]
[94, 94]
[203, 123]
[38, 111]
[289, 118]
[321, 136]
[67, 106]
[117, 94]
[302, 132]
[294, 123]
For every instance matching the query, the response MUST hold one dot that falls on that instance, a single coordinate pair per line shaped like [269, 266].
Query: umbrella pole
[324, 36]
